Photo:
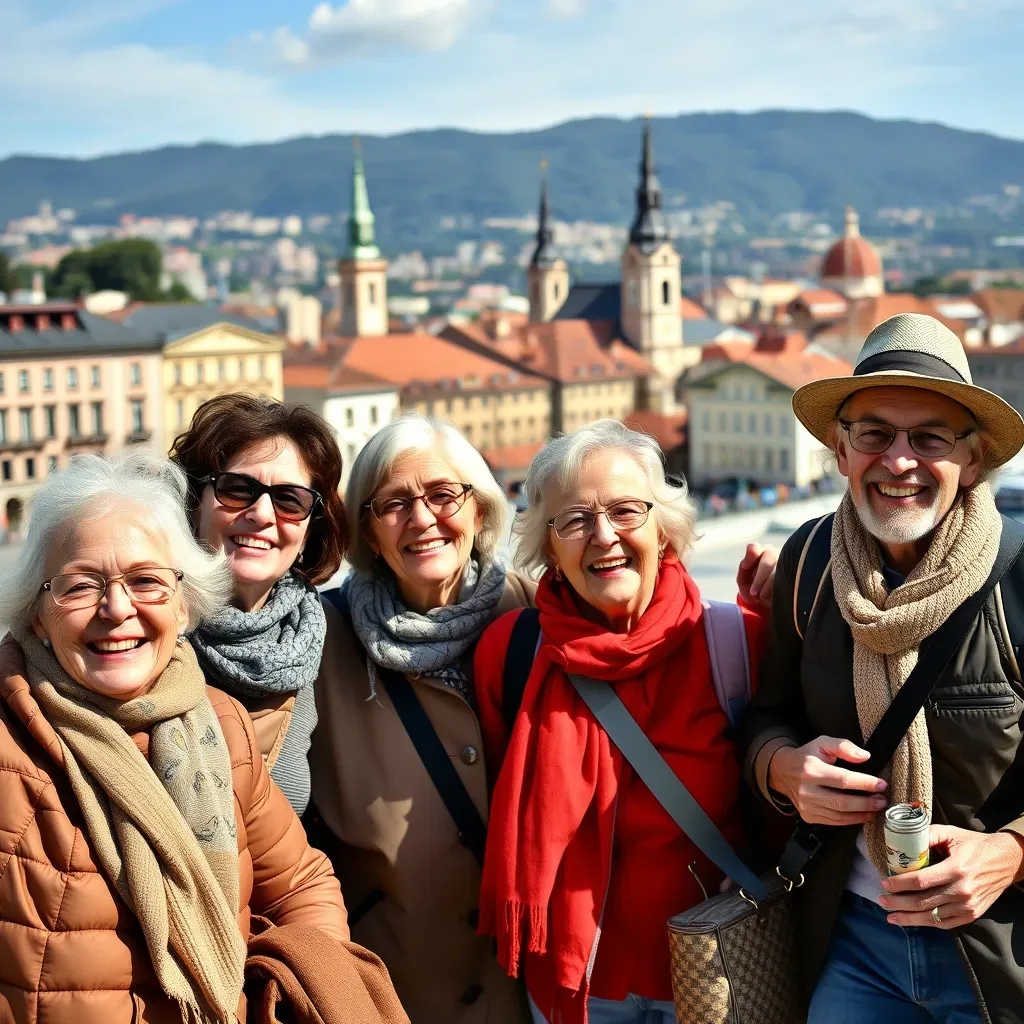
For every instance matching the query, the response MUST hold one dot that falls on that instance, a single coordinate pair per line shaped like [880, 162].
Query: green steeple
[361, 245]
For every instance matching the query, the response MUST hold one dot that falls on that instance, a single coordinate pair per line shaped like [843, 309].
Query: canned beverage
[906, 837]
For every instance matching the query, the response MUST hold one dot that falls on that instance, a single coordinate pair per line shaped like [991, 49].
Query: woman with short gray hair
[586, 924]
[427, 520]
[149, 830]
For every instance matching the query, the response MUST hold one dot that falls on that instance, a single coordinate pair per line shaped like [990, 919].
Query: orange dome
[852, 256]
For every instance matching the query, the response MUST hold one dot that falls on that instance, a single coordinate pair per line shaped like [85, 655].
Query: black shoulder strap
[522, 646]
[432, 752]
[814, 562]
[935, 656]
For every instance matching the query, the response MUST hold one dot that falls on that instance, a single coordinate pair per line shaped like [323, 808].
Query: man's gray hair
[91, 487]
[407, 435]
[560, 462]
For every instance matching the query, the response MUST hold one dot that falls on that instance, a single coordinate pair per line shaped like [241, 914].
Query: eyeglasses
[150, 585]
[577, 523]
[872, 438]
[239, 490]
[443, 500]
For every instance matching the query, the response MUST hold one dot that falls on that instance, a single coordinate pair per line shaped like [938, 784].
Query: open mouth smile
[609, 566]
[108, 647]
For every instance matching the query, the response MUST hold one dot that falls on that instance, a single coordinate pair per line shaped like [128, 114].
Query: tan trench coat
[411, 887]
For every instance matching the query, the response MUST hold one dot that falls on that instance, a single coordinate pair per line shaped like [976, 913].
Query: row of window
[484, 436]
[737, 457]
[350, 416]
[753, 422]
[26, 421]
[590, 415]
[199, 370]
[70, 378]
[7, 468]
[739, 393]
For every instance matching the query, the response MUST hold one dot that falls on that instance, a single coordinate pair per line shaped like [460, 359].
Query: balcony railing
[22, 444]
[85, 440]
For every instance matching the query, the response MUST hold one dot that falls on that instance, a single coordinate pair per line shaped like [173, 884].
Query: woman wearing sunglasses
[263, 488]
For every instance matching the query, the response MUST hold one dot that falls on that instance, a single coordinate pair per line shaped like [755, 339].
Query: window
[556, 290]
[784, 460]
[767, 425]
[177, 373]
[483, 401]
[785, 425]
[47, 378]
[199, 371]
[707, 455]
[135, 374]
[3, 426]
[752, 393]
[372, 290]
[30, 468]
[50, 412]
[769, 460]
[350, 418]
[138, 427]
[752, 424]
[241, 369]
[722, 425]
[72, 378]
[97, 418]
[94, 377]
[23, 381]
[1, 382]
[737, 422]
[373, 415]
[7, 469]
[468, 431]
[666, 292]
[73, 425]
[52, 464]
[181, 413]
[25, 417]
[263, 368]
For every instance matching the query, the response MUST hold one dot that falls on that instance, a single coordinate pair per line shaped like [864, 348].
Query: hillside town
[704, 361]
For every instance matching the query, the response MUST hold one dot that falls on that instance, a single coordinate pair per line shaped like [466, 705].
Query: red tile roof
[864, 315]
[1000, 305]
[795, 371]
[690, 310]
[668, 430]
[779, 341]
[851, 257]
[511, 456]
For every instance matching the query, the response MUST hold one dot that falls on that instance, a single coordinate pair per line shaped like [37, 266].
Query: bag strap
[811, 571]
[936, 654]
[730, 659]
[432, 752]
[519, 655]
[664, 784]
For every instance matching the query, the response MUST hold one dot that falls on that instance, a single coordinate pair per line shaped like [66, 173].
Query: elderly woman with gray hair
[141, 828]
[583, 865]
[399, 776]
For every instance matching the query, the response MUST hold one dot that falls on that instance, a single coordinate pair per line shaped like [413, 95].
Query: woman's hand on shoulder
[756, 575]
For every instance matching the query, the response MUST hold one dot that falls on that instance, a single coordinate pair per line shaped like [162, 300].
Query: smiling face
[899, 495]
[260, 546]
[426, 554]
[115, 648]
[614, 572]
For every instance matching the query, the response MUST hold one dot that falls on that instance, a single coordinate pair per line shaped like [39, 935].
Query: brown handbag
[733, 956]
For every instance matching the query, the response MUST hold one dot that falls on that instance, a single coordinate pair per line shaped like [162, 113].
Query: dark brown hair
[229, 424]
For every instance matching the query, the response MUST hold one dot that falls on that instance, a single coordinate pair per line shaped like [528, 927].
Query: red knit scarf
[552, 818]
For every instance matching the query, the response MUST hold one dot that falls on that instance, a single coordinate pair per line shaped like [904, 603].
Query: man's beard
[899, 526]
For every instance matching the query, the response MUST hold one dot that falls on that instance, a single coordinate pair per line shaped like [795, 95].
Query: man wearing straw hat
[858, 598]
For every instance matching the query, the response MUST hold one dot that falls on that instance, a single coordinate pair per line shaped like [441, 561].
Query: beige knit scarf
[163, 830]
[888, 628]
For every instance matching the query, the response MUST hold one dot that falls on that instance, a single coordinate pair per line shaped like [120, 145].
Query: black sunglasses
[238, 490]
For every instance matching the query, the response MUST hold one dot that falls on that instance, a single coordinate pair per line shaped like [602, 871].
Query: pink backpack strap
[730, 658]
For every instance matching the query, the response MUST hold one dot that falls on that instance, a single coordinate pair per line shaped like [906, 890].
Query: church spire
[544, 254]
[649, 229]
[361, 244]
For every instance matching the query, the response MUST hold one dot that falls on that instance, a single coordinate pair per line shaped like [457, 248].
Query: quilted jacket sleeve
[292, 882]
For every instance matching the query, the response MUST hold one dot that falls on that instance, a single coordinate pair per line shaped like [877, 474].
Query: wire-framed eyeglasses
[872, 438]
[578, 523]
[147, 585]
[443, 500]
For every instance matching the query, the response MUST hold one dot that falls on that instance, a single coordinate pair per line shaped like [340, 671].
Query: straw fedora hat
[916, 351]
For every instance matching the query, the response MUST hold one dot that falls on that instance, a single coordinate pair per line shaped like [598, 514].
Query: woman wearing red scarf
[583, 866]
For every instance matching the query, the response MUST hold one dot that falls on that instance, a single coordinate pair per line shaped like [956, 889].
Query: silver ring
[935, 915]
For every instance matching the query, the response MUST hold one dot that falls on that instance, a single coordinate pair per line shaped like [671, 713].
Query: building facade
[70, 382]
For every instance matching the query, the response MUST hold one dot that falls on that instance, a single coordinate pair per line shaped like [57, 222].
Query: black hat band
[909, 362]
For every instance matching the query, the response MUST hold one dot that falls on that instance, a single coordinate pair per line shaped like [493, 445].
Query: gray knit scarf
[424, 645]
[277, 649]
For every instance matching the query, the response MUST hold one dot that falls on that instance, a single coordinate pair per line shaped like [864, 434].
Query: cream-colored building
[70, 382]
[741, 422]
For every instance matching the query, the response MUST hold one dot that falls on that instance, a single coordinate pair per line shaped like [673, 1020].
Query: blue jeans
[632, 1010]
[877, 973]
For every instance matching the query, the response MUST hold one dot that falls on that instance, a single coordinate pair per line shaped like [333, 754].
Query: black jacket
[974, 724]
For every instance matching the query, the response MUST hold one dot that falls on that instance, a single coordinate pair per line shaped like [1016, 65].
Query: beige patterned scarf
[163, 830]
[888, 628]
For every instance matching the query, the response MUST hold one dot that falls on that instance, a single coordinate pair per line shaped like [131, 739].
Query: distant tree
[178, 293]
[132, 266]
[71, 277]
[8, 279]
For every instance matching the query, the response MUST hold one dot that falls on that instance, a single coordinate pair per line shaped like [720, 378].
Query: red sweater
[650, 881]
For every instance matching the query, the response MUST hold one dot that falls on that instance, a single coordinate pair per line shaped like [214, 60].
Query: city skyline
[89, 78]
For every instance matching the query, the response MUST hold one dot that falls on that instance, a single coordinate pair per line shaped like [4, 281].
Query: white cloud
[361, 27]
[566, 8]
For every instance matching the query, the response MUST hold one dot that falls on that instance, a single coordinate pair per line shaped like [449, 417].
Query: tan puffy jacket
[70, 950]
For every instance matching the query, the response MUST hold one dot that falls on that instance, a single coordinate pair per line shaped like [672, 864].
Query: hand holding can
[906, 837]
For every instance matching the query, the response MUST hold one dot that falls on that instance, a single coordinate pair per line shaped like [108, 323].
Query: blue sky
[82, 77]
